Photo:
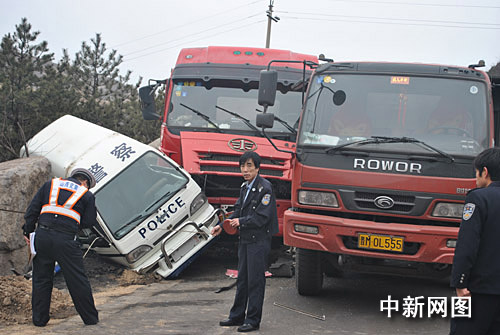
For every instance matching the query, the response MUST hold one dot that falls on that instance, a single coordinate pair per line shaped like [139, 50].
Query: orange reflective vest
[65, 209]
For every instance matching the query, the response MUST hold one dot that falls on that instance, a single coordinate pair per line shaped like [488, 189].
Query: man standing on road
[255, 215]
[476, 265]
[61, 207]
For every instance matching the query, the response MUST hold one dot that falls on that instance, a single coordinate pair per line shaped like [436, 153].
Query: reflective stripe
[61, 210]
[67, 208]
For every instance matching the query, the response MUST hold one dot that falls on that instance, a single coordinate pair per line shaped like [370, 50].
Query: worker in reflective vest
[61, 207]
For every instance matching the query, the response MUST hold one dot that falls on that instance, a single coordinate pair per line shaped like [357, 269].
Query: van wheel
[308, 276]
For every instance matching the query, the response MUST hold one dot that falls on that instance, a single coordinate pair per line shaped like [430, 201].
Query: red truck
[209, 114]
[383, 162]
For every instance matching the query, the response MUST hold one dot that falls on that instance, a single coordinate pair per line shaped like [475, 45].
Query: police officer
[476, 265]
[61, 207]
[256, 217]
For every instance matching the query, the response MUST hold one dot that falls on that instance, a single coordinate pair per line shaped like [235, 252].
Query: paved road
[189, 306]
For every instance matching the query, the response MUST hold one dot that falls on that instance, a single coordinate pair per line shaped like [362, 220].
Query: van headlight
[448, 210]
[137, 253]
[315, 198]
[197, 203]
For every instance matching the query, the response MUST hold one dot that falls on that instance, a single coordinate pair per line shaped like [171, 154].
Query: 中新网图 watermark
[415, 307]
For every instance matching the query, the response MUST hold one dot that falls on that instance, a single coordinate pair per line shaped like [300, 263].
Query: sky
[150, 33]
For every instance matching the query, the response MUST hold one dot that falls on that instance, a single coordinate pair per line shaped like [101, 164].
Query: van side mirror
[148, 107]
[265, 120]
[267, 87]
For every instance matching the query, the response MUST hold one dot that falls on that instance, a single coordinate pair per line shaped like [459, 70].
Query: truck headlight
[448, 210]
[137, 253]
[197, 203]
[326, 199]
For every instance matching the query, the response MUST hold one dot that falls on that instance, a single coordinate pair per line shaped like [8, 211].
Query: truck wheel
[308, 275]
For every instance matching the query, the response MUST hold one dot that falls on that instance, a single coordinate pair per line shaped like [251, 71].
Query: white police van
[152, 214]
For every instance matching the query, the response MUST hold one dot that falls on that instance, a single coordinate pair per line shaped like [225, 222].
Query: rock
[20, 179]
[14, 259]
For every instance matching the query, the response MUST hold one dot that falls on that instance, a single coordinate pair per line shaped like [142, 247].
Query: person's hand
[27, 229]
[463, 292]
[235, 223]
[216, 230]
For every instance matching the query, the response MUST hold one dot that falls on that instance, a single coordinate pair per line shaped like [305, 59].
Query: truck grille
[208, 157]
[235, 169]
[235, 158]
[402, 203]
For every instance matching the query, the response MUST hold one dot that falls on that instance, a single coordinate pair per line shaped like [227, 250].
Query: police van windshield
[448, 114]
[131, 194]
[211, 98]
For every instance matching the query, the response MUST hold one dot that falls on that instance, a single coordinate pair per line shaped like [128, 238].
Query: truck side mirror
[148, 107]
[339, 97]
[265, 120]
[267, 87]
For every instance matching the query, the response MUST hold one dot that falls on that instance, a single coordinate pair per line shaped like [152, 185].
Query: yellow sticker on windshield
[400, 80]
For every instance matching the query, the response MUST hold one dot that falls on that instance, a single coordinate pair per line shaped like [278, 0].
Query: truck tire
[308, 274]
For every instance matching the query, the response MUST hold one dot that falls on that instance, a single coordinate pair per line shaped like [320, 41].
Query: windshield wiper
[388, 139]
[205, 117]
[147, 212]
[135, 219]
[157, 201]
[246, 121]
[287, 126]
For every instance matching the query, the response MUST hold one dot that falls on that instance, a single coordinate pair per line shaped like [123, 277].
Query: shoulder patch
[468, 211]
[266, 199]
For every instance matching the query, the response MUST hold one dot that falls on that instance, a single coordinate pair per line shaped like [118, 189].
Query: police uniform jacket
[257, 215]
[85, 207]
[476, 265]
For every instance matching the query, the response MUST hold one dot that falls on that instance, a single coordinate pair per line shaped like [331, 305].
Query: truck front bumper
[422, 243]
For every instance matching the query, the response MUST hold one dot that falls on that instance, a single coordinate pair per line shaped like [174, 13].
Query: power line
[193, 34]
[177, 27]
[416, 4]
[393, 23]
[184, 42]
[391, 18]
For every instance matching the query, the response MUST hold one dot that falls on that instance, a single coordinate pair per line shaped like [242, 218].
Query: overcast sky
[150, 33]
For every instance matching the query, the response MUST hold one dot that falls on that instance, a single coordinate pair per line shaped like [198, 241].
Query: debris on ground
[15, 301]
[15, 291]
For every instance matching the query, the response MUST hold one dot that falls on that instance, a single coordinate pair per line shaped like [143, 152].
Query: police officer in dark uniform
[476, 265]
[255, 215]
[61, 207]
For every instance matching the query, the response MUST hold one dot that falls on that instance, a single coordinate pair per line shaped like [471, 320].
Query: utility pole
[270, 18]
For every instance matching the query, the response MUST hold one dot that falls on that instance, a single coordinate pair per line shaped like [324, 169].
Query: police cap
[85, 174]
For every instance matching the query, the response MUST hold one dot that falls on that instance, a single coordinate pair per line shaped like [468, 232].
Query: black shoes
[247, 327]
[230, 322]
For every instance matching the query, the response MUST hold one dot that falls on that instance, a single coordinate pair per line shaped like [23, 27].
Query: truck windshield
[137, 192]
[235, 96]
[448, 114]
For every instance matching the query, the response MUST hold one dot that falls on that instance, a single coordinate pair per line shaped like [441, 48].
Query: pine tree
[99, 83]
[23, 68]
[106, 97]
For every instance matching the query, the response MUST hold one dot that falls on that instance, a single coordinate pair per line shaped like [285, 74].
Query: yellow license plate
[380, 242]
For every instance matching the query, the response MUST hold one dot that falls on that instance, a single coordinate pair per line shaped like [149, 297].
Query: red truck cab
[209, 118]
[383, 163]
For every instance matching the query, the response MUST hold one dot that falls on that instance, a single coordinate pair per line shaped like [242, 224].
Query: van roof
[70, 142]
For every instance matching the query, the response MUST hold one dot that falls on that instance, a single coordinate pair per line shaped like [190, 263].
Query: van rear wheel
[308, 276]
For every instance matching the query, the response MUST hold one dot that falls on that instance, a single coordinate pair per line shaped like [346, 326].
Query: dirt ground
[107, 279]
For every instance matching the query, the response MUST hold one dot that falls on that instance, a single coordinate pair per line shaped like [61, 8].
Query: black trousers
[485, 318]
[52, 246]
[251, 282]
